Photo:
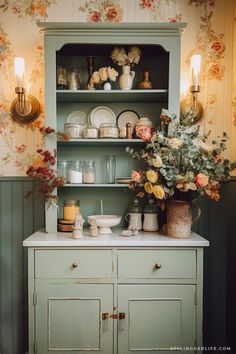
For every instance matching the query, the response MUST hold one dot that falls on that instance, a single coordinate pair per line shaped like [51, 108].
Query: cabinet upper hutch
[69, 44]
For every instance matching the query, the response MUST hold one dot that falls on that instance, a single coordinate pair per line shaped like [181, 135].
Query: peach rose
[148, 188]
[159, 192]
[156, 161]
[201, 180]
[94, 16]
[112, 13]
[218, 47]
[145, 133]
[136, 176]
[103, 74]
[152, 176]
[95, 77]
[216, 71]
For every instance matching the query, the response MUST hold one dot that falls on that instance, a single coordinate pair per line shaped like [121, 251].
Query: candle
[101, 207]
[195, 68]
[19, 65]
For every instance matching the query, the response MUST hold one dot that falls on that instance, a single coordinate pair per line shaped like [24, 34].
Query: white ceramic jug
[135, 220]
[150, 222]
[126, 78]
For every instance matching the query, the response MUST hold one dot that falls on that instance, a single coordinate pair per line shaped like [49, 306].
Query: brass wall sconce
[191, 110]
[25, 108]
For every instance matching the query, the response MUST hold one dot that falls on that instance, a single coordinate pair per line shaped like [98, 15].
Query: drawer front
[73, 264]
[157, 264]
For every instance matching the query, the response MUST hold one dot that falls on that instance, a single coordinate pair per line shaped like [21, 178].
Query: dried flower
[102, 75]
[119, 56]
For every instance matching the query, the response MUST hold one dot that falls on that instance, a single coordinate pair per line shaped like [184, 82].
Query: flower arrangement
[45, 175]
[102, 75]
[182, 165]
[119, 56]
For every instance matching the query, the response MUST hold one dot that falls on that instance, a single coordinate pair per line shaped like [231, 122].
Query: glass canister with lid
[75, 172]
[62, 169]
[108, 130]
[70, 209]
[89, 173]
[90, 132]
[73, 130]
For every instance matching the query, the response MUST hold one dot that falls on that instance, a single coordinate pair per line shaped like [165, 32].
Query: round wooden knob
[74, 265]
[158, 265]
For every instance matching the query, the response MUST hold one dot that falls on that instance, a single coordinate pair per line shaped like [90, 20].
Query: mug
[135, 220]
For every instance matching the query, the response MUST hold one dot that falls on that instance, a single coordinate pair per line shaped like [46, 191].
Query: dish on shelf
[77, 117]
[127, 117]
[101, 114]
[123, 180]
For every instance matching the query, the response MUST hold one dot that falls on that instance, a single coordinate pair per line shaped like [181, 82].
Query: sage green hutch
[111, 294]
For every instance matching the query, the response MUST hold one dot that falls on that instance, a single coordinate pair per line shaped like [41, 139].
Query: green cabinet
[69, 45]
[86, 299]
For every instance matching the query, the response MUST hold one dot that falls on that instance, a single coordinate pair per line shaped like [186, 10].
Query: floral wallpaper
[211, 32]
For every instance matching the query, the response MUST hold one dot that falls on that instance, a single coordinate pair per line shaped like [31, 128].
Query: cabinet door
[68, 318]
[157, 318]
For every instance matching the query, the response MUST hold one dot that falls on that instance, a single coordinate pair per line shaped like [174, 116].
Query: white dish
[77, 117]
[102, 114]
[105, 222]
[127, 117]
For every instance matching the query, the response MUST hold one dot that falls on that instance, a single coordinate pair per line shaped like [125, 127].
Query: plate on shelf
[102, 114]
[123, 180]
[77, 117]
[127, 117]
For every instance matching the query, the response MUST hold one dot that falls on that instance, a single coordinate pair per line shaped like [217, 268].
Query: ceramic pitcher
[126, 78]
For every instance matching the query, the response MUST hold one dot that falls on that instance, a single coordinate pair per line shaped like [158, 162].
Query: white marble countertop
[143, 239]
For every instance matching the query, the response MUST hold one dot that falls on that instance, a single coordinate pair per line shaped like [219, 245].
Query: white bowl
[105, 222]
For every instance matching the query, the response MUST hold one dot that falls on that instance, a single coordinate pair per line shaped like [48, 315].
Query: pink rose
[94, 16]
[201, 180]
[145, 133]
[136, 176]
[218, 47]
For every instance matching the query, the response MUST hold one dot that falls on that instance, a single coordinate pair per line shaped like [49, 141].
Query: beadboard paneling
[19, 218]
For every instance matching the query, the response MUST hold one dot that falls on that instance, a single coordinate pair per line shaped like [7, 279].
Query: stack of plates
[100, 115]
[78, 117]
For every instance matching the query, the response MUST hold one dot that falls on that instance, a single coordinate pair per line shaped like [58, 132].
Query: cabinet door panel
[69, 318]
[158, 317]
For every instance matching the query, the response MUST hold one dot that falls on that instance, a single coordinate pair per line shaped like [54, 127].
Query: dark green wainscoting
[20, 217]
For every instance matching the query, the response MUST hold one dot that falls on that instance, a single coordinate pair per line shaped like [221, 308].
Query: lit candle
[19, 64]
[195, 68]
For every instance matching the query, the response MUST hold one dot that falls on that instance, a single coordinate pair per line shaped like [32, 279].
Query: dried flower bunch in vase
[102, 76]
[121, 58]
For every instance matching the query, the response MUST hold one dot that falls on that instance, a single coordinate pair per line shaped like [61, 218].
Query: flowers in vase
[121, 58]
[182, 165]
[102, 75]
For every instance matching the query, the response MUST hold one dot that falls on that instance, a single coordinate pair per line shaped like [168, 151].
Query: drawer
[73, 264]
[157, 264]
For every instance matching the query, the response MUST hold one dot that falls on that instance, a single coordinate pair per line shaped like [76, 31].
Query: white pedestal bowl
[104, 222]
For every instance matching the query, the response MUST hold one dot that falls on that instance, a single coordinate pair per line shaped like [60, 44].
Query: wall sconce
[191, 110]
[25, 108]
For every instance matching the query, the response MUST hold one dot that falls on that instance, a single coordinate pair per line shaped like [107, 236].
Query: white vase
[126, 78]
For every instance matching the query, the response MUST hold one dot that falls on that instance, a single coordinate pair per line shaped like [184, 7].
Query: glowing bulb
[19, 64]
[195, 68]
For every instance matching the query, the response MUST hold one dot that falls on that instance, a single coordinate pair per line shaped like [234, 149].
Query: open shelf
[99, 142]
[115, 96]
[94, 185]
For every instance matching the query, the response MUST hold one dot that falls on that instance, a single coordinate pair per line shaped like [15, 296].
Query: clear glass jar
[109, 130]
[75, 172]
[90, 132]
[62, 169]
[73, 79]
[61, 78]
[70, 209]
[89, 174]
[73, 130]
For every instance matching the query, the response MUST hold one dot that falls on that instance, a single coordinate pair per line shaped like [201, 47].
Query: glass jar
[90, 132]
[109, 130]
[62, 169]
[70, 209]
[73, 79]
[75, 172]
[61, 78]
[89, 174]
[135, 207]
[73, 130]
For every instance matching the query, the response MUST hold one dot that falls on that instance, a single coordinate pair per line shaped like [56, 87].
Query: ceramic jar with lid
[150, 222]
[134, 217]
[73, 130]
[73, 79]
[109, 131]
[90, 132]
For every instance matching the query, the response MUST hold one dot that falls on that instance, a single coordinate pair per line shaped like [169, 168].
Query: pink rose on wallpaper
[216, 71]
[94, 16]
[202, 180]
[20, 149]
[112, 13]
[38, 8]
[136, 176]
[147, 4]
[218, 47]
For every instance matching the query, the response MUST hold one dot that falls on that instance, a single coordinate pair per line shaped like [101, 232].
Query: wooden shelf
[115, 96]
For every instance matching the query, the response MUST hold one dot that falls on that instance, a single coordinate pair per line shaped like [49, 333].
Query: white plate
[102, 114]
[127, 117]
[77, 117]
